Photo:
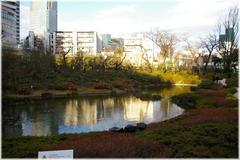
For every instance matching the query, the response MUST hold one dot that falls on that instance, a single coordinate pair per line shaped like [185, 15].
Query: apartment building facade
[10, 22]
[71, 42]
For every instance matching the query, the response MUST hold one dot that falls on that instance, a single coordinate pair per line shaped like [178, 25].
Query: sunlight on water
[77, 115]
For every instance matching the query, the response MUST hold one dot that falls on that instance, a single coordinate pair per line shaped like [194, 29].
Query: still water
[78, 115]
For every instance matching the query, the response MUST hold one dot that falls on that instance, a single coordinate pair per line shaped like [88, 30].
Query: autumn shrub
[180, 78]
[121, 84]
[24, 90]
[62, 86]
[101, 85]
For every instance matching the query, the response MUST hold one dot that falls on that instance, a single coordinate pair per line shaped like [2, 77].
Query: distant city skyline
[194, 18]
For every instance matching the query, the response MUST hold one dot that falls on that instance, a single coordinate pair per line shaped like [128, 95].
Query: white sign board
[60, 154]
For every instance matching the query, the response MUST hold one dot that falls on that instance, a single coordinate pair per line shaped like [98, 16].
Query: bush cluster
[186, 100]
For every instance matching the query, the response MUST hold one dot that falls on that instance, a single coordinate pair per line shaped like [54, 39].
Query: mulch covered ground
[114, 145]
[218, 98]
[200, 116]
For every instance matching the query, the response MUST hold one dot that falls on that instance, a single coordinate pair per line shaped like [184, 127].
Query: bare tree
[209, 44]
[119, 58]
[228, 42]
[144, 56]
[197, 57]
[165, 40]
[78, 61]
[64, 51]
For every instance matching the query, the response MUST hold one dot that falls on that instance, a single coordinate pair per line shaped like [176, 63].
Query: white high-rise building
[43, 19]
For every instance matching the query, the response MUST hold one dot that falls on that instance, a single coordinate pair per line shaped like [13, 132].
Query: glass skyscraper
[10, 22]
[43, 17]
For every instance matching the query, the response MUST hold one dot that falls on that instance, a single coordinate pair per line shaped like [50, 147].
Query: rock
[141, 126]
[47, 95]
[194, 88]
[222, 82]
[131, 128]
[73, 94]
[113, 93]
[116, 129]
[190, 104]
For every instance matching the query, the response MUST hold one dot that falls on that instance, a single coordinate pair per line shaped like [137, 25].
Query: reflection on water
[78, 115]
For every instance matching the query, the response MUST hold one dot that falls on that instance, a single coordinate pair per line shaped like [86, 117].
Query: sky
[194, 18]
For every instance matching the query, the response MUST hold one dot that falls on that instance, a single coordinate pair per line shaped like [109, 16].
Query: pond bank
[39, 95]
[209, 130]
[11, 98]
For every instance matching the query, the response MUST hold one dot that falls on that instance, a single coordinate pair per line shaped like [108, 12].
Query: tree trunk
[205, 67]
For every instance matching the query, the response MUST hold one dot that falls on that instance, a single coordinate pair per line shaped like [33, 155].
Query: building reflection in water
[80, 113]
[101, 114]
[84, 115]
[166, 110]
[136, 110]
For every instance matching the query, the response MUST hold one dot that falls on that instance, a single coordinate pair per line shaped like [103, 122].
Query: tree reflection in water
[78, 115]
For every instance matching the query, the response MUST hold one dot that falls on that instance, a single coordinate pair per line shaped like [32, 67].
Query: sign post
[60, 154]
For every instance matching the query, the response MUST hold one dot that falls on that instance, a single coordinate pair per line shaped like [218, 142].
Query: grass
[29, 146]
[210, 140]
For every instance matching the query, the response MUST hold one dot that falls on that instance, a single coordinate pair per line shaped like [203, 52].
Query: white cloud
[113, 25]
[195, 17]
[117, 10]
[113, 20]
[198, 14]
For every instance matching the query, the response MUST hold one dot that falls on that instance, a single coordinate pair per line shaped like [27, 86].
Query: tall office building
[18, 20]
[106, 41]
[43, 17]
[43, 20]
[10, 22]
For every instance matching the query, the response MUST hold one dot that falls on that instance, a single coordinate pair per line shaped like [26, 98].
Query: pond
[86, 114]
